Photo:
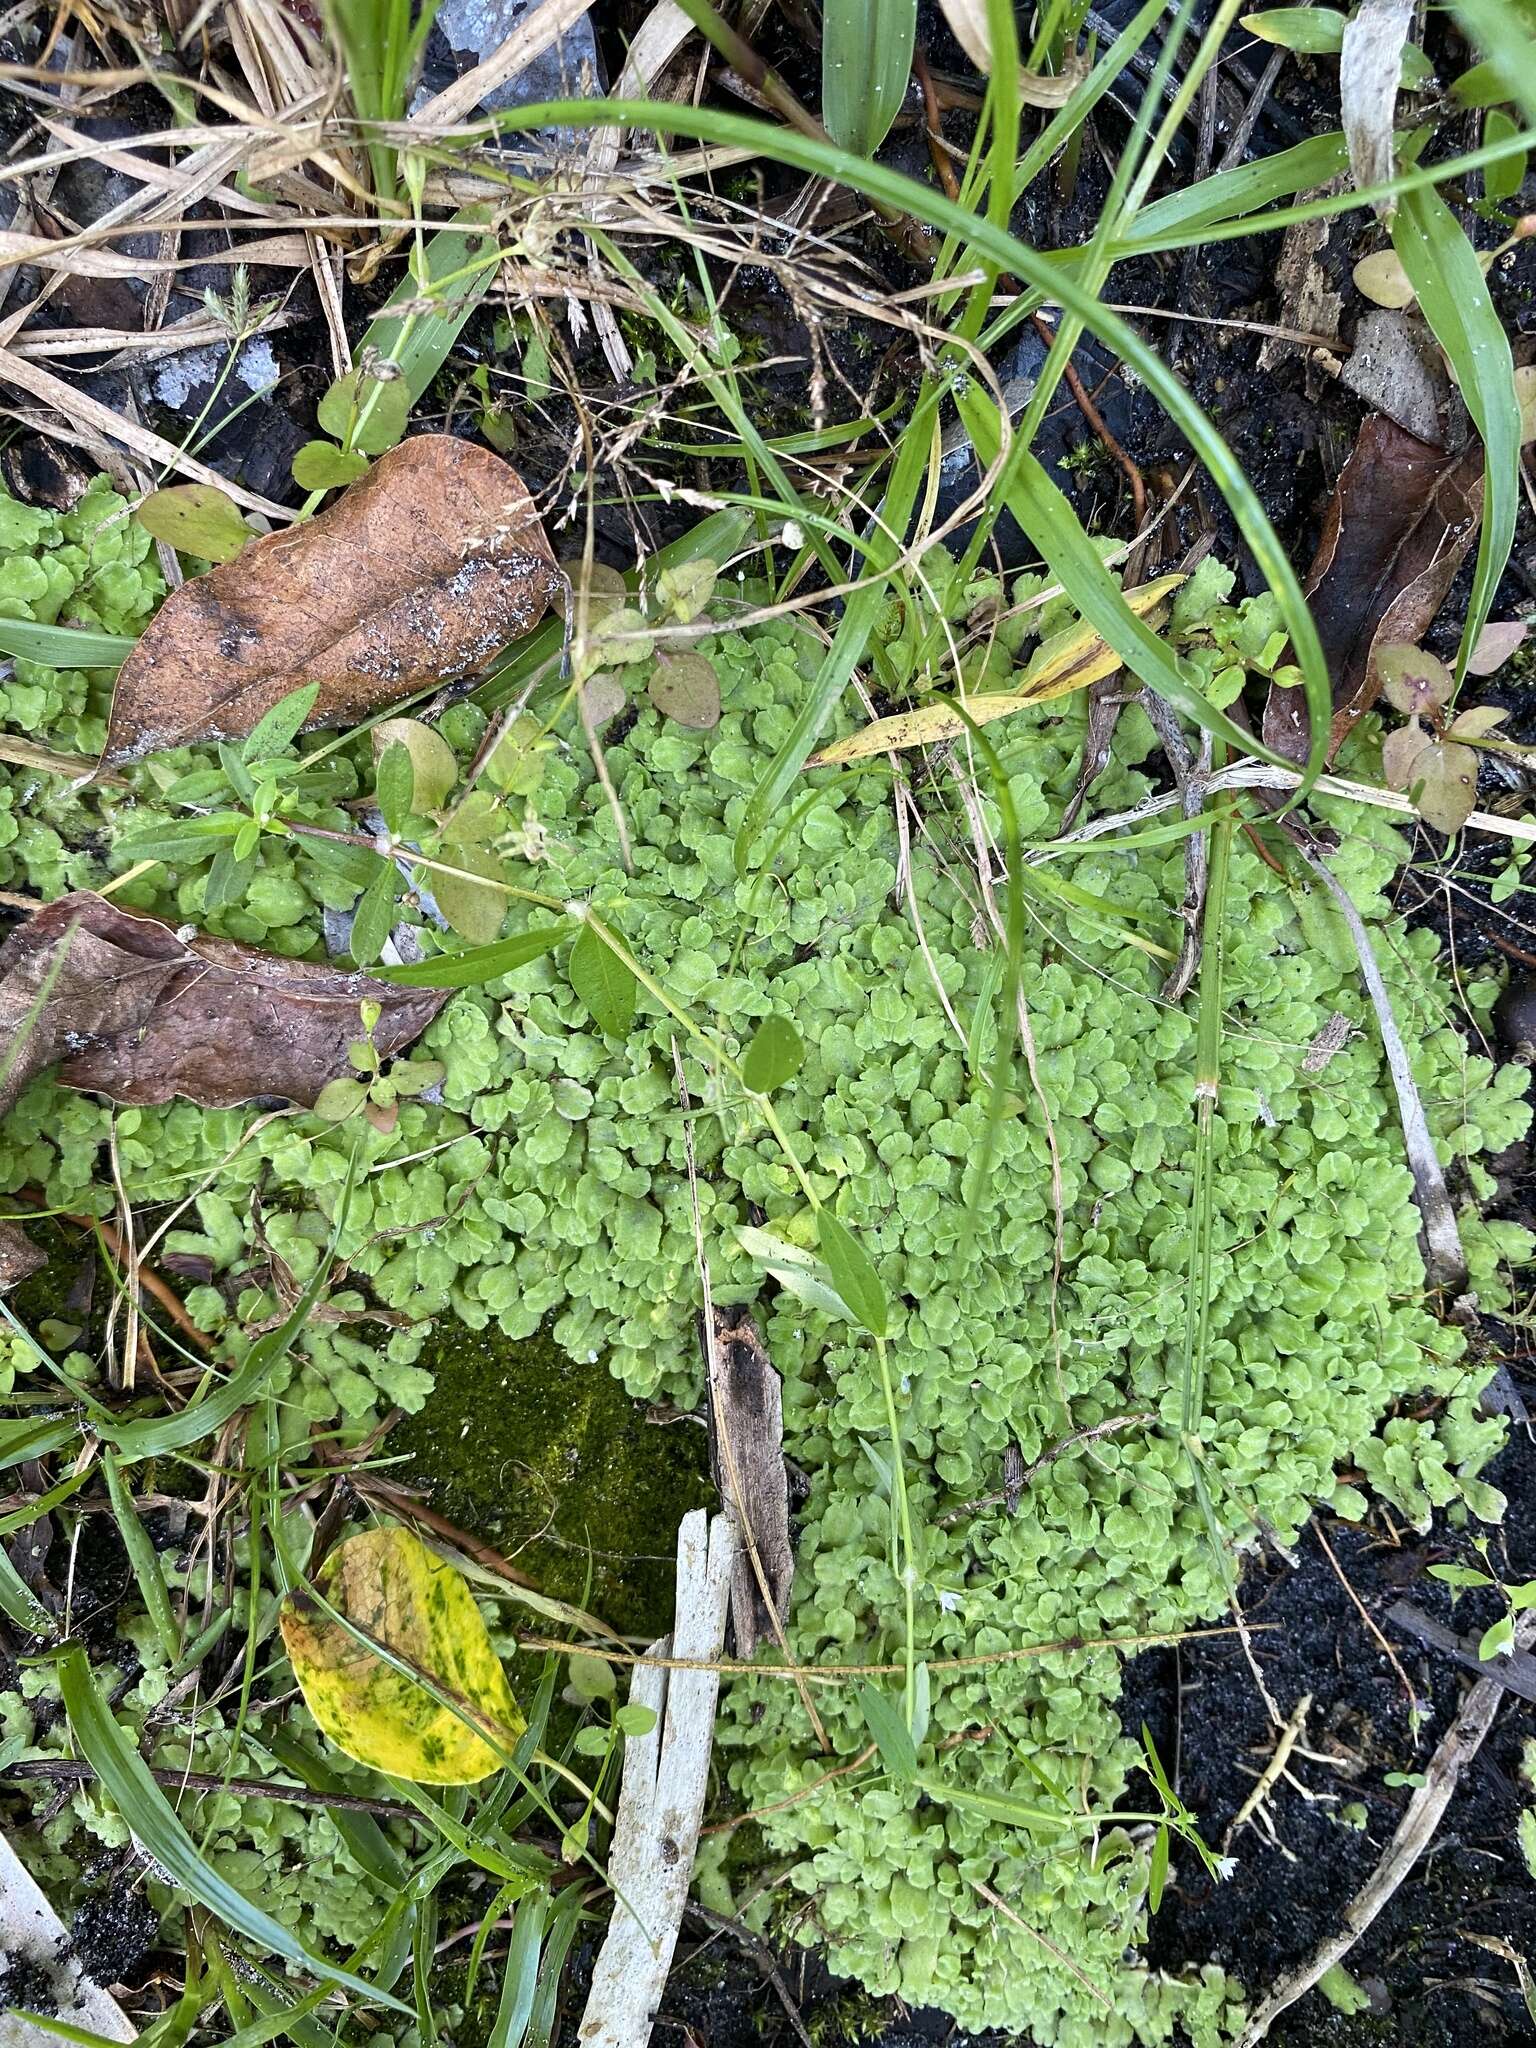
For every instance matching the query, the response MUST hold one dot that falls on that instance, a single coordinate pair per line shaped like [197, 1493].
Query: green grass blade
[520, 1978]
[1049, 520]
[1498, 29]
[1418, 178]
[866, 60]
[860, 613]
[156, 1435]
[20, 1604]
[995, 244]
[1453, 295]
[146, 1810]
[63, 646]
[457, 266]
[1228, 195]
[478, 964]
[142, 1557]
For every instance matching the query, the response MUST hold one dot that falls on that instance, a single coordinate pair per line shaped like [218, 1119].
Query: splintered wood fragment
[1445, 1263]
[661, 1798]
[1457, 1747]
[746, 1455]
[1516, 1672]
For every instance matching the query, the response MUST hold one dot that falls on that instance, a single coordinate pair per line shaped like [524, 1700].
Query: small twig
[1445, 1263]
[61, 1770]
[1095, 419]
[1456, 1749]
[761, 1954]
[1273, 1771]
[1087, 1435]
[1372, 1630]
[1001, 1905]
[148, 1279]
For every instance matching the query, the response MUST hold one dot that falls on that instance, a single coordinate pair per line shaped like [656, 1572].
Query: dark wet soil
[112, 1932]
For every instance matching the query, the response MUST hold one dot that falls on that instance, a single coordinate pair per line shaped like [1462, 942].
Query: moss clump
[545, 1457]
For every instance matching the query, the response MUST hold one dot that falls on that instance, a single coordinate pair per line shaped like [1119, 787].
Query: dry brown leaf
[1398, 527]
[125, 1008]
[19, 1256]
[416, 576]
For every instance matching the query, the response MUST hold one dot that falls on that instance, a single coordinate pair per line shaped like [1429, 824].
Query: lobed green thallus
[549, 1188]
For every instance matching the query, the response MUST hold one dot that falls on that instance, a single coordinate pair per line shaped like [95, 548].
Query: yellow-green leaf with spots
[1069, 660]
[391, 1587]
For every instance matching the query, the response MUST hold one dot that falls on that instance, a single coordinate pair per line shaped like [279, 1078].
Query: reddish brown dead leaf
[1399, 524]
[416, 576]
[124, 1008]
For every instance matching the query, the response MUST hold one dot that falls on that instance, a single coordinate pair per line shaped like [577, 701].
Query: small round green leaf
[195, 519]
[340, 1099]
[432, 759]
[322, 466]
[366, 412]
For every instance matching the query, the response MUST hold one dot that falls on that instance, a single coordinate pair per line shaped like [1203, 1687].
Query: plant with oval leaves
[1433, 758]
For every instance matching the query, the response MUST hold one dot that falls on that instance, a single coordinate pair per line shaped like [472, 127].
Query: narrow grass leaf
[478, 964]
[454, 273]
[148, 1813]
[1453, 296]
[143, 1559]
[520, 1978]
[853, 1273]
[1227, 195]
[889, 1731]
[992, 242]
[774, 1056]
[866, 60]
[63, 646]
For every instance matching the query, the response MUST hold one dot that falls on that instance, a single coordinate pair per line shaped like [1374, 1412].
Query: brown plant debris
[1398, 526]
[416, 576]
[126, 1008]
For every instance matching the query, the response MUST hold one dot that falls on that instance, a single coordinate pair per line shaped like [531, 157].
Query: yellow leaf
[390, 1584]
[1068, 661]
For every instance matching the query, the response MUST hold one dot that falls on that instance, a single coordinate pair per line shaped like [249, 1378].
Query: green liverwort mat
[548, 1191]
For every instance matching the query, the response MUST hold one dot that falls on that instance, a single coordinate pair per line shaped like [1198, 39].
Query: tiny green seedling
[1499, 1639]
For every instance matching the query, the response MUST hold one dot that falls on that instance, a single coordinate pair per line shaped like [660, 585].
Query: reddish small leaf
[686, 689]
[1399, 751]
[1495, 644]
[134, 1013]
[1445, 785]
[1398, 527]
[1477, 723]
[1413, 680]
[416, 576]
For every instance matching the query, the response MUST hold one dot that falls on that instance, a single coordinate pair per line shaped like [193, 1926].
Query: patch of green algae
[546, 1457]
